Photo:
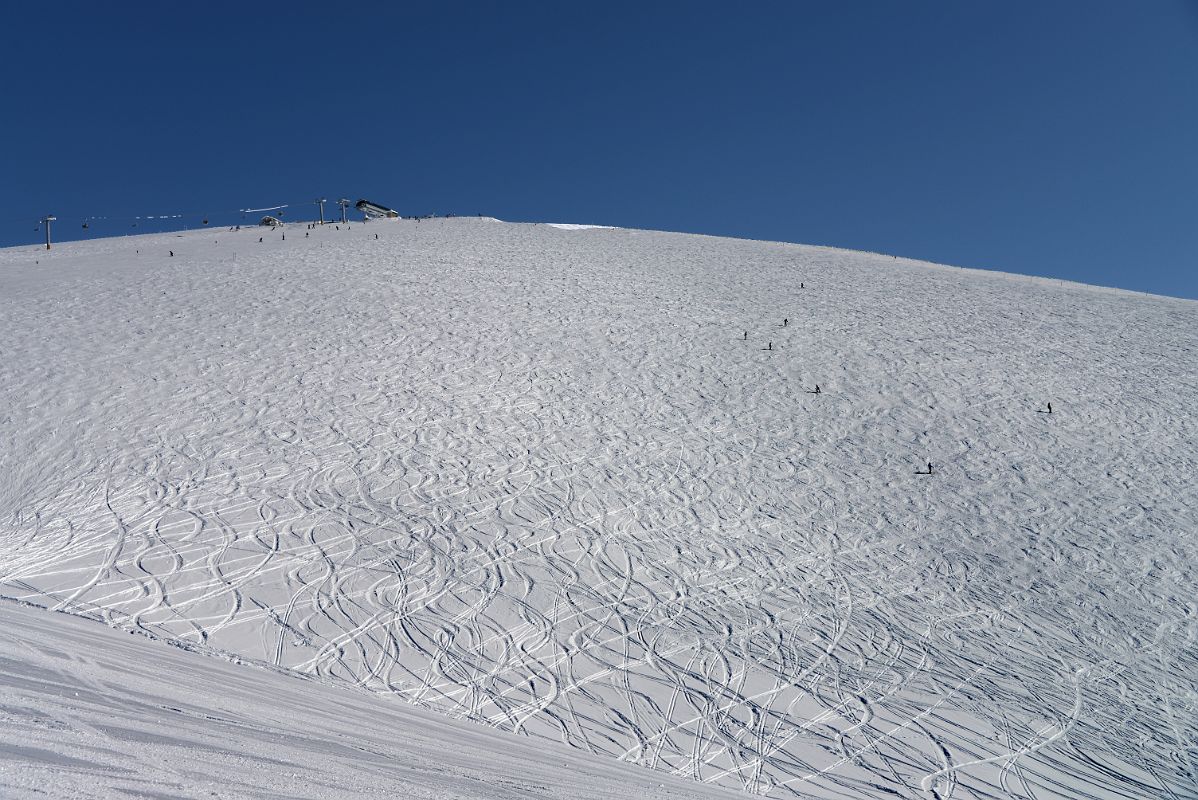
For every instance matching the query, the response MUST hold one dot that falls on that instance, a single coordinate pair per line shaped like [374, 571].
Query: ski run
[462, 508]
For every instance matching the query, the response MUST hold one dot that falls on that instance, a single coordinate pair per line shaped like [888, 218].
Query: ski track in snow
[535, 477]
[90, 713]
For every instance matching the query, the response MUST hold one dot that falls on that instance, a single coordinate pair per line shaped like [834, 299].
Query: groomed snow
[91, 712]
[544, 482]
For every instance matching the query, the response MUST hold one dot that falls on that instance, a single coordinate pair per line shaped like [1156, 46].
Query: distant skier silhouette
[1050, 408]
[746, 336]
[921, 472]
[172, 252]
[770, 346]
[785, 322]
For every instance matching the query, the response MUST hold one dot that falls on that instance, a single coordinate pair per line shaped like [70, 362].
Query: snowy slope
[537, 477]
[90, 712]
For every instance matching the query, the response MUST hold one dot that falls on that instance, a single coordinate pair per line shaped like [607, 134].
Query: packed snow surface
[90, 712]
[578, 485]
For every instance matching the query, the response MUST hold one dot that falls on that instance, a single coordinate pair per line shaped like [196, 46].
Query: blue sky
[1054, 137]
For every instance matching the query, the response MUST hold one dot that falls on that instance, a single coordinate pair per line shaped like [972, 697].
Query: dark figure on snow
[800, 284]
[376, 236]
[785, 322]
[259, 240]
[1050, 408]
[172, 252]
[771, 346]
[817, 391]
[746, 336]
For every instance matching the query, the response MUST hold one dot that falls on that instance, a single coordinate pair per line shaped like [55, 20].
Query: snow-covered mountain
[578, 484]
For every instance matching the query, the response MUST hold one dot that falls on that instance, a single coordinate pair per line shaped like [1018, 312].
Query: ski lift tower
[320, 201]
[343, 203]
[46, 220]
